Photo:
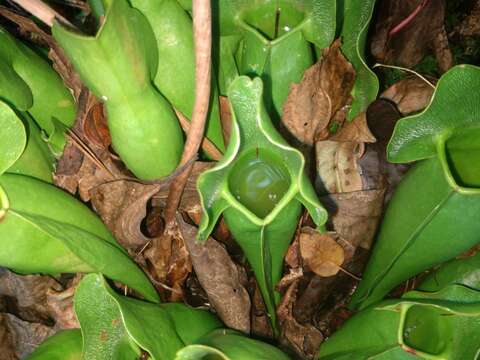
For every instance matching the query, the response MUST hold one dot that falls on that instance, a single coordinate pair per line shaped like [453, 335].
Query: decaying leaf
[303, 339]
[354, 131]
[220, 277]
[60, 304]
[337, 166]
[225, 117]
[320, 252]
[406, 45]
[322, 95]
[355, 215]
[410, 95]
[27, 295]
[21, 336]
[470, 26]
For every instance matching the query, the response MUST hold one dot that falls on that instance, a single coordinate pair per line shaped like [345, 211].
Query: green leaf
[432, 215]
[259, 185]
[454, 107]
[30, 84]
[440, 325]
[114, 324]
[13, 138]
[461, 271]
[175, 77]
[276, 48]
[65, 345]
[36, 160]
[118, 65]
[230, 345]
[45, 230]
[356, 17]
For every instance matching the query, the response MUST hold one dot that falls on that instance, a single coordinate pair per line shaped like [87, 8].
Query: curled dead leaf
[220, 277]
[410, 95]
[321, 96]
[320, 252]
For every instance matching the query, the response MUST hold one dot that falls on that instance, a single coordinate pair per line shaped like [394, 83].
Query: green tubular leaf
[225, 344]
[258, 164]
[440, 325]
[118, 65]
[454, 106]
[431, 218]
[65, 345]
[462, 271]
[356, 18]
[117, 327]
[29, 83]
[36, 160]
[62, 233]
[276, 38]
[175, 77]
[113, 325]
[13, 137]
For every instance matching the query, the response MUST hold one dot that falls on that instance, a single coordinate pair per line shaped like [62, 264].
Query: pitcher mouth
[273, 21]
[259, 181]
[4, 204]
[426, 330]
[460, 160]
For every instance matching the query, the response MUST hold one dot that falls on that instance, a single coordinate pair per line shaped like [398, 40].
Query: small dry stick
[42, 11]
[202, 30]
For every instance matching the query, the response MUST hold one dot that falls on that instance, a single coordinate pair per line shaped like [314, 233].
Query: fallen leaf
[321, 96]
[60, 305]
[355, 215]
[7, 340]
[304, 339]
[225, 117]
[220, 277]
[122, 206]
[95, 128]
[354, 131]
[470, 26]
[337, 166]
[23, 336]
[27, 295]
[397, 40]
[321, 253]
[410, 95]
[260, 323]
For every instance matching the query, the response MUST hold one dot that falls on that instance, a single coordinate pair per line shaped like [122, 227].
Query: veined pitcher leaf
[65, 345]
[272, 40]
[13, 137]
[432, 216]
[175, 77]
[45, 230]
[29, 83]
[225, 344]
[36, 160]
[439, 325]
[356, 17]
[118, 64]
[113, 324]
[259, 185]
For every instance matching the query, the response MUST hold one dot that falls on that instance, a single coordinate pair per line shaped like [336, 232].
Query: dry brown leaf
[220, 277]
[410, 95]
[408, 46]
[304, 339]
[322, 95]
[470, 26]
[355, 215]
[24, 336]
[225, 118]
[30, 294]
[122, 206]
[354, 131]
[60, 304]
[320, 252]
[337, 166]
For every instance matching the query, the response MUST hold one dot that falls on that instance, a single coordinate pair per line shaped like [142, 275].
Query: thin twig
[406, 70]
[207, 145]
[202, 29]
[42, 11]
